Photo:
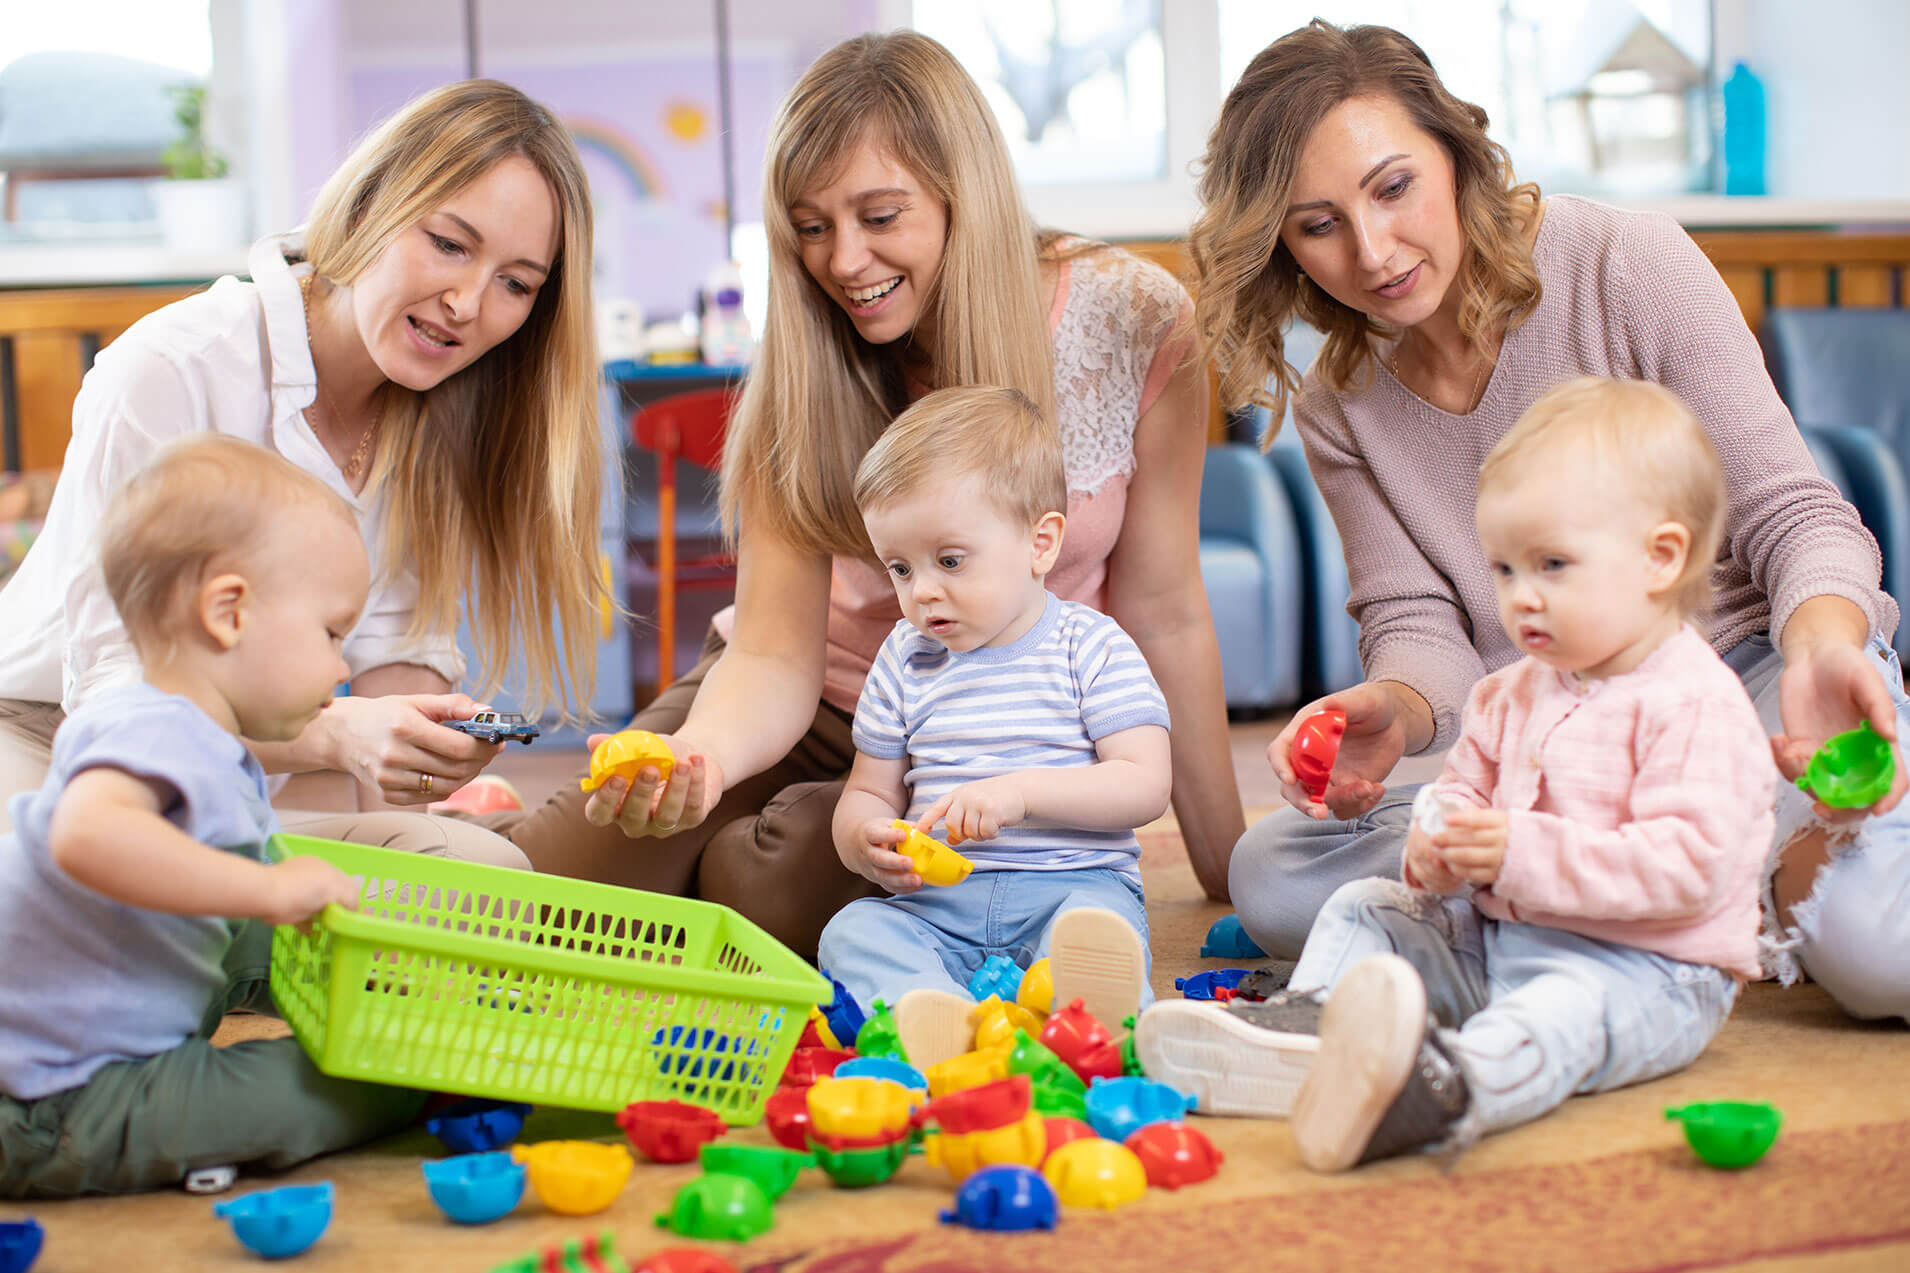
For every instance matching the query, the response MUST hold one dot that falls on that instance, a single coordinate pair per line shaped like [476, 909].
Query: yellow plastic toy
[575, 1177]
[1037, 990]
[624, 755]
[860, 1107]
[970, 1069]
[1095, 1173]
[1023, 1141]
[823, 1031]
[934, 861]
[995, 1023]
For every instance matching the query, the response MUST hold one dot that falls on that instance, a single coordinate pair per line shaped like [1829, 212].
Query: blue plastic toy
[20, 1242]
[844, 1014]
[883, 1067]
[276, 1223]
[1117, 1108]
[998, 975]
[1227, 940]
[475, 1188]
[708, 1041]
[1203, 984]
[1008, 1198]
[478, 1126]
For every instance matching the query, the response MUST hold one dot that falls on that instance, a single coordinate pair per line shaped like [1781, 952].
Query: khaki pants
[765, 850]
[26, 751]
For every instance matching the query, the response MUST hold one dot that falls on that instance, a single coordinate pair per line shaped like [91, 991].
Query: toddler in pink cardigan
[1580, 902]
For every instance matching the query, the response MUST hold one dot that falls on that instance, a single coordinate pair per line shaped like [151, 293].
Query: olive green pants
[145, 1124]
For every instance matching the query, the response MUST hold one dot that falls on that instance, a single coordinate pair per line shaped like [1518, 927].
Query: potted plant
[200, 207]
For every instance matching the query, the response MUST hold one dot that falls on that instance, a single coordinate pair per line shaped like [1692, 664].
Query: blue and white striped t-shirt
[1039, 703]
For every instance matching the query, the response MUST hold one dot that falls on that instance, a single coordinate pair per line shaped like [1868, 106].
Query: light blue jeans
[1533, 1015]
[1852, 935]
[882, 947]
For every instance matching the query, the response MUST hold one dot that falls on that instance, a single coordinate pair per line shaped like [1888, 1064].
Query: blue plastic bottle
[1743, 96]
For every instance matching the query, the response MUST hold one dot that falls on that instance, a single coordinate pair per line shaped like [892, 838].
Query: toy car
[496, 727]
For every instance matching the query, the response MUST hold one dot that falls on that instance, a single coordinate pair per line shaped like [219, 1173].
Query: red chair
[690, 426]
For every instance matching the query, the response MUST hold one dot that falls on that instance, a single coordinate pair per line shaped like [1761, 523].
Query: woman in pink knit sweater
[1345, 187]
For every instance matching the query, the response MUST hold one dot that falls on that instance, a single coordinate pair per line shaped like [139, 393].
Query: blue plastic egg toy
[1117, 1108]
[475, 1188]
[1227, 940]
[20, 1242]
[478, 1126]
[883, 1067]
[999, 975]
[1008, 1198]
[1203, 984]
[279, 1222]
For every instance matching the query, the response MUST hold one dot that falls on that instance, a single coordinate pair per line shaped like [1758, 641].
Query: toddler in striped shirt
[1027, 727]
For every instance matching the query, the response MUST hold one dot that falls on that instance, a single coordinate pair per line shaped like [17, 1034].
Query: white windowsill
[94, 264]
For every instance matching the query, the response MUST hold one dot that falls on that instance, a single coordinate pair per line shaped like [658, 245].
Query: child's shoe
[1095, 955]
[933, 1026]
[486, 793]
[1383, 1083]
[1248, 1058]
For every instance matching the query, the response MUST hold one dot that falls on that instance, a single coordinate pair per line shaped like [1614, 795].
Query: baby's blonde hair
[204, 501]
[1643, 437]
[997, 435]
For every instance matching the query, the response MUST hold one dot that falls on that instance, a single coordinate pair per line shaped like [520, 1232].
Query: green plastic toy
[857, 1168]
[1851, 770]
[878, 1036]
[1728, 1133]
[1130, 1059]
[715, 1205]
[1037, 1060]
[774, 1170]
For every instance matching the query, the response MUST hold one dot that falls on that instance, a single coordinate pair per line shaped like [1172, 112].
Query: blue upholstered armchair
[1250, 563]
[1845, 374]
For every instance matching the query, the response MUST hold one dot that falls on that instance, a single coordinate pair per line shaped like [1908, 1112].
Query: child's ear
[1047, 541]
[225, 603]
[1667, 549]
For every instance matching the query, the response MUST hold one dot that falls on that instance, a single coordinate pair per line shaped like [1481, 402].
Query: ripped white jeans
[1852, 934]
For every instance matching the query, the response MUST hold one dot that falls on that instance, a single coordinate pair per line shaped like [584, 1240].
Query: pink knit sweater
[1625, 294]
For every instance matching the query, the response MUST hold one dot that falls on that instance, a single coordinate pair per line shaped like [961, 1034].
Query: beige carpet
[1603, 1184]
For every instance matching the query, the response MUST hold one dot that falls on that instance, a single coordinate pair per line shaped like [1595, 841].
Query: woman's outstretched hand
[1829, 688]
[397, 745]
[1374, 740]
[649, 806]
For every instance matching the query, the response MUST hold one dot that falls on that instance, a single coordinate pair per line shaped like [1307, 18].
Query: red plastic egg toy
[684, 1259]
[1062, 1130]
[788, 1117]
[1316, 745]
[806, 1065]
[669, 1131]
[1174, 1154]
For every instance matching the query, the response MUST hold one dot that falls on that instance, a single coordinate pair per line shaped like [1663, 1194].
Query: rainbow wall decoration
[614, 146]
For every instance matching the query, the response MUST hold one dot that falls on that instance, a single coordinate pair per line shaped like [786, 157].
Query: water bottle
[1743, 96]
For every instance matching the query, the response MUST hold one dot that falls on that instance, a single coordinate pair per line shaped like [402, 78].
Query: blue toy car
[496, 727]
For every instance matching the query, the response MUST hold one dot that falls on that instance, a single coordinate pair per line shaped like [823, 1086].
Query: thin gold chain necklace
[356, 463]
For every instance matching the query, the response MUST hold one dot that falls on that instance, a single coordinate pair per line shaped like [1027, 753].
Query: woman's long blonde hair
[1249, 285]
[493, 477]
[819, 394]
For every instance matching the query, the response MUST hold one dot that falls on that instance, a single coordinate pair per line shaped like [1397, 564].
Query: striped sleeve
[1117, 689]
[881, 728]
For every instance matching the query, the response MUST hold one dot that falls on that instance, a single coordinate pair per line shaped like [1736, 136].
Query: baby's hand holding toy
[873, 856]
[298, 888]
[1473, 844]
[1426, 868]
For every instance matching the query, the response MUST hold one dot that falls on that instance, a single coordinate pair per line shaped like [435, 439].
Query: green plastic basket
[458, 977]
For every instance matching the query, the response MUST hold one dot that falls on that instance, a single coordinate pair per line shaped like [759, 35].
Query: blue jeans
[1852, 935]
[1533, 1015]
[882, 947]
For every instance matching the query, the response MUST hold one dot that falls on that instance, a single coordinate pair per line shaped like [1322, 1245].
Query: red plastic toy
[1062, 1130]
[1316, 745]
[979, 1109]
[806, 1065]
[1174, 1154]
[669, 1131]
[788, 1117]
[1082, 1042]
[684, 1259]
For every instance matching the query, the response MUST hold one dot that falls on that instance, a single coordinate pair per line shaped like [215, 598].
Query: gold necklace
[1472, 395]
[357, 460]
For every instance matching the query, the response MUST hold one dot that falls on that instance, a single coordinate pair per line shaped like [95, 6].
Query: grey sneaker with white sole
[1247, 1059]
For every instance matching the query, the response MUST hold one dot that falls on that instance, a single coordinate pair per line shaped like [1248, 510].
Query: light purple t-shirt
[91, 981]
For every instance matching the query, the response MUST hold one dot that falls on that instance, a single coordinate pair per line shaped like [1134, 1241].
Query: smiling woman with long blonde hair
[902, 261]
[424, 348]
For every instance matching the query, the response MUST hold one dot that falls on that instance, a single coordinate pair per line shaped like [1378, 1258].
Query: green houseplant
[201, 208]
[191, 157]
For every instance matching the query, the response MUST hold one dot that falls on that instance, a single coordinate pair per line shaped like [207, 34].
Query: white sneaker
[1246, 1059]
[1096, 956]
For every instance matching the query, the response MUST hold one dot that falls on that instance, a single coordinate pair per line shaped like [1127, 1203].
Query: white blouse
[234, 359]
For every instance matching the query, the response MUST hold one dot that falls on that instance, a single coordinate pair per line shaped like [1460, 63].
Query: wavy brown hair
[493, 476]
[1249, 286]
[819, 394]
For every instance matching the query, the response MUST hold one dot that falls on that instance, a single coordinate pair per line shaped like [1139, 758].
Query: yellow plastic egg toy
[860, 1107]
[625, 755]
[1037, 989]
[575, 1177]
[995, 1022]
[1023, 1141]
[970, 1069]
[1095, 1173]
[934, 861]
